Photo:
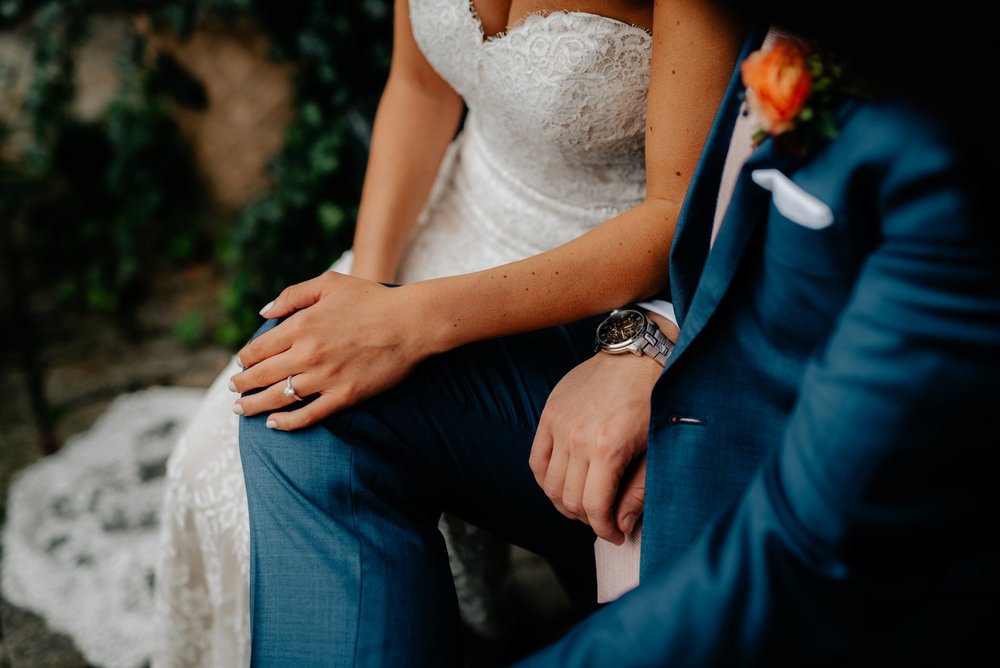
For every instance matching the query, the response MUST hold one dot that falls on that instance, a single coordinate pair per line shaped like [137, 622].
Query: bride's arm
[417, 117]
[625, 259]
[347, 339]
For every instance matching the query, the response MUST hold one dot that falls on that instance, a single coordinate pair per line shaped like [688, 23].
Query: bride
[548, 164]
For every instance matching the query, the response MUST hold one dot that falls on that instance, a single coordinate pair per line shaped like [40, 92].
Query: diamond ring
[289, 391]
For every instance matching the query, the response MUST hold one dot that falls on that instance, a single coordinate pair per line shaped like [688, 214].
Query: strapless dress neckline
[542, 16]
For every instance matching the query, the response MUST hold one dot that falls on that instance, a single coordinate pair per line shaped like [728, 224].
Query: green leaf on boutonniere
[828, 128]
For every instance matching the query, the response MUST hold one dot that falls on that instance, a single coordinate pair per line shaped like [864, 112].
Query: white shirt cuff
[660, 307]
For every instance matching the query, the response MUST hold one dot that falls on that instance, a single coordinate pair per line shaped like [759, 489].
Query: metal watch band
[656, 345]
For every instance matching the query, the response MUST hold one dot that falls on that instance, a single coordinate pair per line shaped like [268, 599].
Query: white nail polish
[267, 308]
[271, 424]
[240, 363]
[238, 409]
[232, 387]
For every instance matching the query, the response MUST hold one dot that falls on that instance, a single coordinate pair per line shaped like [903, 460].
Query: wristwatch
[628, 330]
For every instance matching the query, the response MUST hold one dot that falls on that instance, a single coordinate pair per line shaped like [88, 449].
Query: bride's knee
[208, 446]
[203, 454]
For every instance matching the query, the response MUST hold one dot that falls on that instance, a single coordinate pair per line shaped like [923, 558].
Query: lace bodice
[554, 135]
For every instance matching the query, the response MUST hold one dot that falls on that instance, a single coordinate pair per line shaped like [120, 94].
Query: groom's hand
[592, 434]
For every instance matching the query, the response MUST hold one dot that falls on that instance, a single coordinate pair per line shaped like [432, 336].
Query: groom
[818, 487]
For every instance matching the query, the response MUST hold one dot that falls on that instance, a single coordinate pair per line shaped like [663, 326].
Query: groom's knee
[305, 462]
[312, 465]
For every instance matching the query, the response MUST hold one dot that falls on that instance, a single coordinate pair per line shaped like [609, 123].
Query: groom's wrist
[667, 326]
[637, 330]
[662, 313]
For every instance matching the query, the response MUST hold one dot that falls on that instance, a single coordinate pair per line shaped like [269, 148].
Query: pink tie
[618, 565]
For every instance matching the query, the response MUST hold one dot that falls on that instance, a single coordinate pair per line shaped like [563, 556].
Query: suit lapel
[748, 207]
[694, 225]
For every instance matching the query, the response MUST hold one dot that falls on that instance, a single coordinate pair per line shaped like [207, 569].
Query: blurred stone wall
[250, 97]
[249, 106]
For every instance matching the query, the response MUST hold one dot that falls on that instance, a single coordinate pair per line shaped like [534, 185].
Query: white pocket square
[793, 202]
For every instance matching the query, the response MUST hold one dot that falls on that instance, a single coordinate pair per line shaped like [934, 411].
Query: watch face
[620, 327]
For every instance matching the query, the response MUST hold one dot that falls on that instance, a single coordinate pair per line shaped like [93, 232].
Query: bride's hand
[344, 339]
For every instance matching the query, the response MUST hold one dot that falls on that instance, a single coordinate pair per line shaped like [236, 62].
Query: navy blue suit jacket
[820, 486]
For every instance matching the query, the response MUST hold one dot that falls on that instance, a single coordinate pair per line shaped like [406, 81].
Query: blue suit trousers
[347, 564]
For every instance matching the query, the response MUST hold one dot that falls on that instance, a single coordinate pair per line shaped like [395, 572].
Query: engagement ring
[289, 391]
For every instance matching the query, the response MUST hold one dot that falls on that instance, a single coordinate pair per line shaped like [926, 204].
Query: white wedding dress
[551, 147]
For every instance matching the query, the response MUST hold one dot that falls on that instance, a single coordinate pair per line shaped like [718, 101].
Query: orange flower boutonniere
[791, 88]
